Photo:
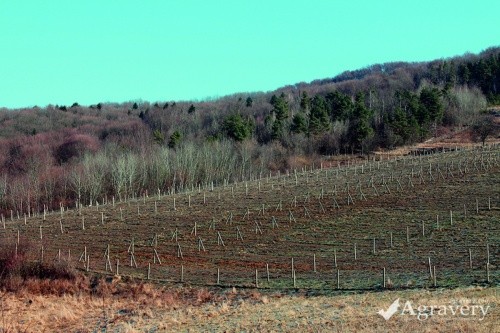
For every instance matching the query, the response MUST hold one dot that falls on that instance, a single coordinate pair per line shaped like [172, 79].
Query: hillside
[67, 154]
[269, 254]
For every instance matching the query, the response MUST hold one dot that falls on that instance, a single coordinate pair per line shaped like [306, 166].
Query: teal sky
[90, 51]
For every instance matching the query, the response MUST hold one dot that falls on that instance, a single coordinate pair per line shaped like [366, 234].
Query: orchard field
[424, 221]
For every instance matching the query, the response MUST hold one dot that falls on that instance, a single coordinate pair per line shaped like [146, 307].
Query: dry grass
[144, 307]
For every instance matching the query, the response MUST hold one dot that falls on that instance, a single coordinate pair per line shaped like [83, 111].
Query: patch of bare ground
[151, 308]
[447, 138]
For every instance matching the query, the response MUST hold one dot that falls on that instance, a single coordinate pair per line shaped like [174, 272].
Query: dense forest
[65, 154]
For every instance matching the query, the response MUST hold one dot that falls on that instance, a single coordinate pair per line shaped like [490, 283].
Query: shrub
[16, 268]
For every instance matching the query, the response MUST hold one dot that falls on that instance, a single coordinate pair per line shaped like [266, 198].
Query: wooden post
[408, 235]
[335, 257]
[434, 275]
[355, 252]
[383, 276]
[182, 273]
[338, 279]
[218, 276]
[487, 253]
[256, 278]
[374, 249]
[451, 217]
[117, 260]
[174, 205]
[477, 206]
[488, 272]
[437, 222]
[489, 203]
[267, 271]
[423, 229]
[314, 263]
[149, 270]
[391, 240]
[430, 267]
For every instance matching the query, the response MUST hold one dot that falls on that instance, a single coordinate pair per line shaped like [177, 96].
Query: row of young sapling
[477, 164]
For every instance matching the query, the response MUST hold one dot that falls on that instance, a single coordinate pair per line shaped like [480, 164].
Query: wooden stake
[149, 270]
[256, 277]
[383, 277]
[338, 279]
[335, 257]
[157, 257]
[430, 267]
[267, 271]
[434, 275]
[182, 273]
[179, 251]
[487, 253]
[218, 276]
[355, 252]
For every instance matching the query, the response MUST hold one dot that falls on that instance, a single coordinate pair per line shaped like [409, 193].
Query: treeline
[86, 153]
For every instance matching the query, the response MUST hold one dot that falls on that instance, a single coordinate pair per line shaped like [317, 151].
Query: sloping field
[337, 227]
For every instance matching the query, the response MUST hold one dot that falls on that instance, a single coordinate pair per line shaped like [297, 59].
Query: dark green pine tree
[319, 121]
[339, 105]
[305, 102]
[430, 108]
[360, 128]
[299, 124]
[280, 107]
[237, 128]
[249, 102]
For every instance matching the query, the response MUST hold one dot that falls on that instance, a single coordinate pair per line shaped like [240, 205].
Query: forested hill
[57, 153]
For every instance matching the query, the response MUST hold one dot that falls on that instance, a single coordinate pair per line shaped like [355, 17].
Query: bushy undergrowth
[17, 270]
